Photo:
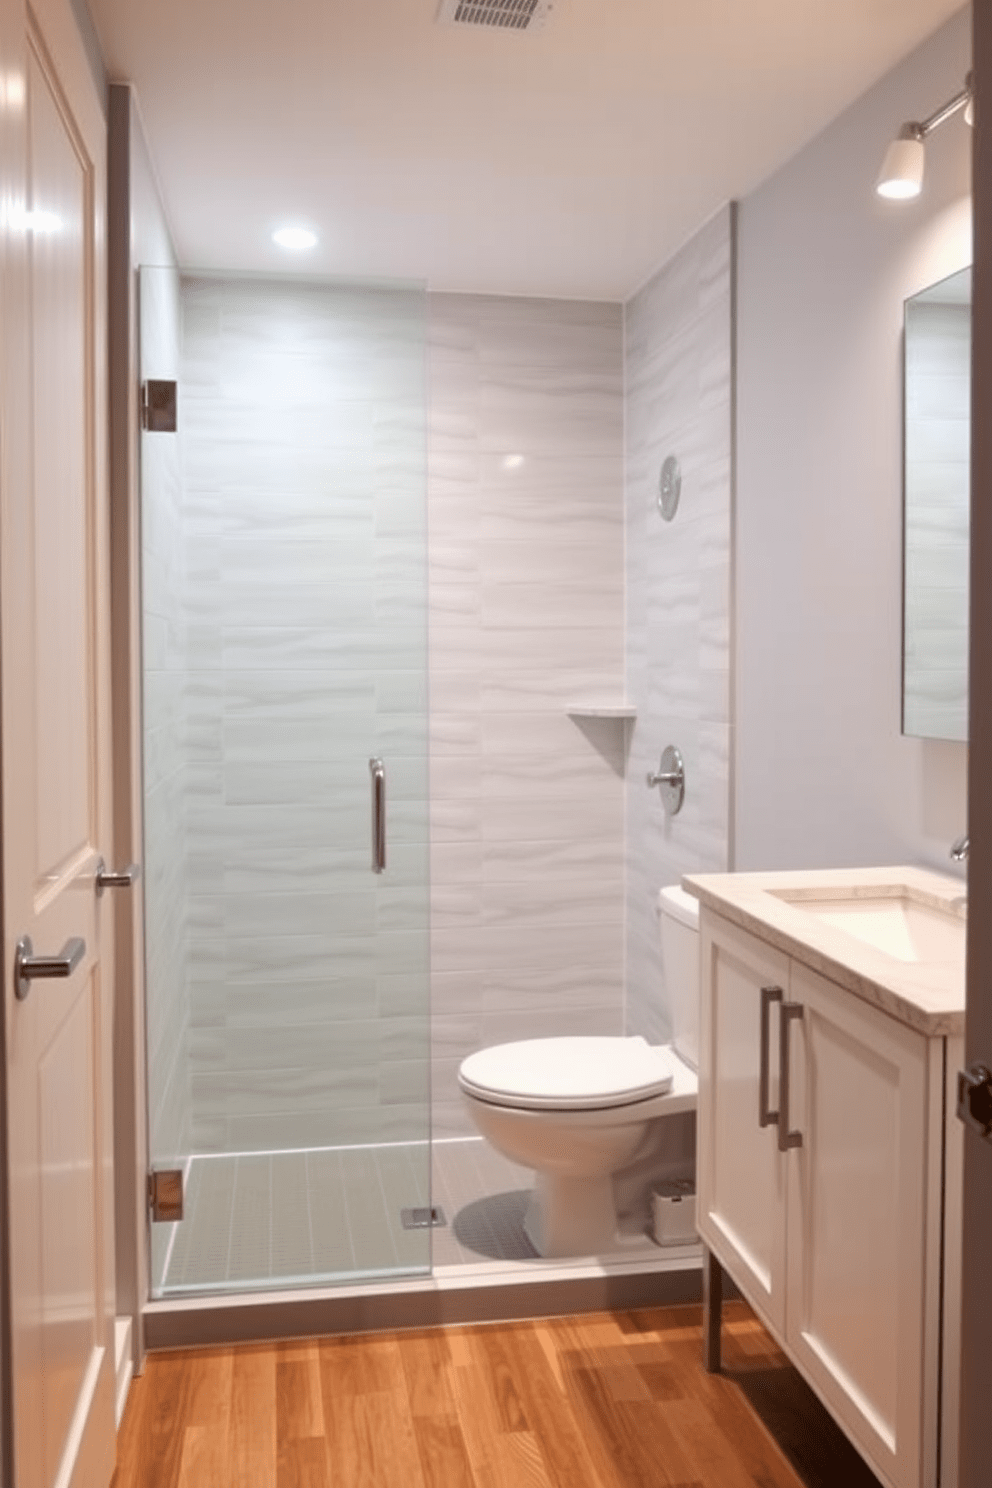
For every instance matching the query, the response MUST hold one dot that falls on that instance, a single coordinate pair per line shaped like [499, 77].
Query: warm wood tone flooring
[608, 1400]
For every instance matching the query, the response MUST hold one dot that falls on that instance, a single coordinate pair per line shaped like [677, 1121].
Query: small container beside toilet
[673, 1212]
[585, 1111]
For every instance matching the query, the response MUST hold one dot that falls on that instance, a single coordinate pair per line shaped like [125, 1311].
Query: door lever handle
[28, 966]
[974, 1105]
[122, 879]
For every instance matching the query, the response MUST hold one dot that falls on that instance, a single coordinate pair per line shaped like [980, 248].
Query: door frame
[130, 1084]
[976, 1292]
[13, 187]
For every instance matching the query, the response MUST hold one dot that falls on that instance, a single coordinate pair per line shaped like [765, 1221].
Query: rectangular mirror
[936, 511]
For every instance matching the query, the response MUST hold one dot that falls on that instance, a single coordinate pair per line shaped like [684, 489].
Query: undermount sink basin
[901, 926]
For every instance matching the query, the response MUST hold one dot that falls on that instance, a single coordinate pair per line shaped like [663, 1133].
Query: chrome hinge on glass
[975, 1099]
[159, 406]
[165, 1194]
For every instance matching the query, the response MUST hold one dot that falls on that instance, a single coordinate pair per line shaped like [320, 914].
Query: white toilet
[580, 1110]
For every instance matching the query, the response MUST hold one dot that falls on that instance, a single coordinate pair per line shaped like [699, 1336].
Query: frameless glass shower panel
[284, 597]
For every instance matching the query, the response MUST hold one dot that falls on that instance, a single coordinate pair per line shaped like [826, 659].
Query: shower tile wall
[526, 617]
[678, 333]
[165, 761]
[304, 469]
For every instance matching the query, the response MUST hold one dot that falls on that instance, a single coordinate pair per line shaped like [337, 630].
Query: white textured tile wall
[937, 475]
[678, 369]
[526, 616]
[166, 775]
[304, 515]
[307, 982]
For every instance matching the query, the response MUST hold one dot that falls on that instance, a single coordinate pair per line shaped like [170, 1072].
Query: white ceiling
[570, 161]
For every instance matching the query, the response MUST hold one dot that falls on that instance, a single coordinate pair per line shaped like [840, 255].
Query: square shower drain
[422, 1219]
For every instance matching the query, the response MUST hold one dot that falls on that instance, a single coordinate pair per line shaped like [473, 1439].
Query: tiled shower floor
[333, 1214]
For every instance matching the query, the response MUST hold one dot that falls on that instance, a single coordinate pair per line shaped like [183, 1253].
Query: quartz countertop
[928, 995]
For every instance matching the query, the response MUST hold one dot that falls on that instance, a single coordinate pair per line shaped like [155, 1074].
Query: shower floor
[257, 1220]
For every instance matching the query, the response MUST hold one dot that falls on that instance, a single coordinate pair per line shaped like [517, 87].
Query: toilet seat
[568, 1074]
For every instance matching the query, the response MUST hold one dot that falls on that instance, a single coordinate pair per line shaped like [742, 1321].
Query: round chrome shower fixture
[669, 488]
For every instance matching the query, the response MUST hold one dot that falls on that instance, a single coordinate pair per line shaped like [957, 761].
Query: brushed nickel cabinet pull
[768, 996]
[786, 1139]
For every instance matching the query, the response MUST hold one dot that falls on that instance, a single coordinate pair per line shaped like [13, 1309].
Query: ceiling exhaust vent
[499, 15]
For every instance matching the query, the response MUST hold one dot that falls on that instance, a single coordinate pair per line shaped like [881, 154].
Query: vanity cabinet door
[741, 1174]
[856, 1220]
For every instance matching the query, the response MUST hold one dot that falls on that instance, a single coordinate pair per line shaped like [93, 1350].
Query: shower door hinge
[159, 406]
[165, 1194]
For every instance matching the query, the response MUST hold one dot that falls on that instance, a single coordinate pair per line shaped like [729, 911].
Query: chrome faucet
[959, 849]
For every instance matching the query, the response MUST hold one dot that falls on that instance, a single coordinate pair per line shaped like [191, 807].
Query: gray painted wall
[823, 776]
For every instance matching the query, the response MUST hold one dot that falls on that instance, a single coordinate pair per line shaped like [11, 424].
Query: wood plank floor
[606, 1400]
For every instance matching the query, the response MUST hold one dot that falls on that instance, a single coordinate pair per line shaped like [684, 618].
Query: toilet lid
[574, 1074]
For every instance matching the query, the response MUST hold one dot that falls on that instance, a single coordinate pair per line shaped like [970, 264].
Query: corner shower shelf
[601, 710]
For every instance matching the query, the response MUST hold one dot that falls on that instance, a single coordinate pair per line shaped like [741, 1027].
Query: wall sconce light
[901, 176]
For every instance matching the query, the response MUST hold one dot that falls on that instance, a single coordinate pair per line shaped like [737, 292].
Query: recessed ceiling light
[12, 91]
[295, 238]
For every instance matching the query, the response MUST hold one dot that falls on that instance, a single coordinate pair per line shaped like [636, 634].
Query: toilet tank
[679, 920]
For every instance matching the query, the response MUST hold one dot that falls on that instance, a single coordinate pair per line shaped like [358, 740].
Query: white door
[741, 1173]
[856, 1223]
[54, 651]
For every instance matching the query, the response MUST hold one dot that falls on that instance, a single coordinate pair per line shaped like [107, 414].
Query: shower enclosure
[284, 649]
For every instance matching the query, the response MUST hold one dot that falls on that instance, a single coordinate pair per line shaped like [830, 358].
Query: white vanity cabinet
[822, 1184]
[740, 1173]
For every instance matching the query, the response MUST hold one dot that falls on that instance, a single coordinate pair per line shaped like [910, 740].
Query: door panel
[64, 698]
[54, 632]
[741, 1176]
[856, 1232]
[68, 1257]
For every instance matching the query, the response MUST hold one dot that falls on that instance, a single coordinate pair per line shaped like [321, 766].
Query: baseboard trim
[123, 1365]
[451, 1296]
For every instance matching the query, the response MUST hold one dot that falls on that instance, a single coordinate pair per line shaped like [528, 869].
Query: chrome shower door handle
[28, 966]
[768, 996]
[378, 772]
[786, 1139]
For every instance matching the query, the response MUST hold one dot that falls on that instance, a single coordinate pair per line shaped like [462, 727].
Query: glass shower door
[284, 608]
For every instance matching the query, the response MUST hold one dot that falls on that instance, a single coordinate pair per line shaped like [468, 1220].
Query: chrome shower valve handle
[670, 780]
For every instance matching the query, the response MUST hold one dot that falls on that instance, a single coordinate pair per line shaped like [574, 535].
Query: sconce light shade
[901, 175]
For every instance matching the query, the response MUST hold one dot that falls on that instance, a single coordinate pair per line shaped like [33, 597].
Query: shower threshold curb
[486, 1293]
